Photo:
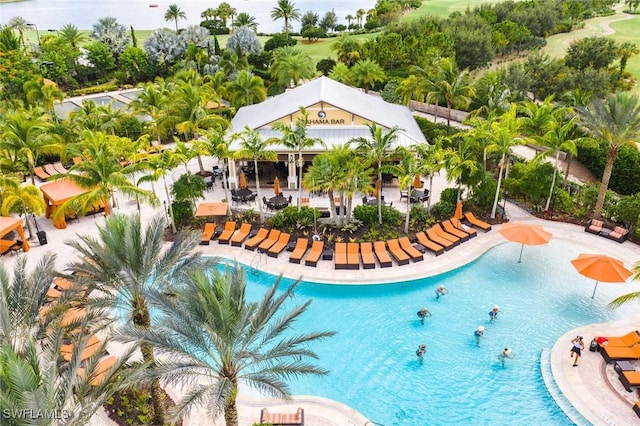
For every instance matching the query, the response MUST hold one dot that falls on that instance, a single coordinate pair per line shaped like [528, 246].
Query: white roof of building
[339, 95]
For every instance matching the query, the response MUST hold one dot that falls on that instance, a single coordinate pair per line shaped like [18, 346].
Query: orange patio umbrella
[242, 180]
[525, 233]
[458, 213]
[601, 268]
[276, 186]
[417, 183]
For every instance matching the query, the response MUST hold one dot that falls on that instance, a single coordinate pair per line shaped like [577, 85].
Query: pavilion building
[336, 112]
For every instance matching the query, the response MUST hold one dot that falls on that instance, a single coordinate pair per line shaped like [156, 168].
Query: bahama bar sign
[321, 118]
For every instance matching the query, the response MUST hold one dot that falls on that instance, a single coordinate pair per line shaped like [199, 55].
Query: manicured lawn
[443, 8]
[629, 31]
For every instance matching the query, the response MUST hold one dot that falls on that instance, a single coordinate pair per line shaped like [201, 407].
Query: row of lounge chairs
[597, 227]
[46, 171]
[72, 317]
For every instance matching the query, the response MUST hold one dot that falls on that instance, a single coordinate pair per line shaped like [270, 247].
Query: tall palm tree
[153, 100]
[25, 138]
[451, 86]
[174, 13]
[246, 89]
[225, 11]
[296, 138]
[213, 334]
[290, 65]
[21, 25]
[348, 49]
[323, 176]
[360, 13]
[101, 173]
[377, 150]
[72, 35]
[287, 11]
[349, 18]
[126, 260]
[461, 161]
[216, 145]
[45, 93]
[253, 147]
[243, 19]
[614, 121]
[432, 158]
[366, 73]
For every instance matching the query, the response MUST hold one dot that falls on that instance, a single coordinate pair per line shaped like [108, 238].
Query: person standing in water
[421, 351]
[423, 313]
[505, 354]
[493, 313]
[441, 291]
[479, 333]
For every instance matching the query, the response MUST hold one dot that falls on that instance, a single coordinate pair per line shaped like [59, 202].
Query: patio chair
[229, 229]
[443, 234]
[40, 173]
[59, 167]
[594, 226]
[271, 239]
[368, 259]
[618, 234]
[414, 254]
[401, 257]
[314, 253]
[282, 419]
[279, 246]
[299, 251]
[241, 235]
[340, 256]
[619, 353]
[99, 373]
[50, 169]
[629, 379]
[207, 233]
[450, 229]
[353, 256]
[470, 217]
[628, 340]
[380, 250]
[459, 225]
[433, 236]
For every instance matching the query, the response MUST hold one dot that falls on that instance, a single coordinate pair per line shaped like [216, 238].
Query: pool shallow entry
[372, 359]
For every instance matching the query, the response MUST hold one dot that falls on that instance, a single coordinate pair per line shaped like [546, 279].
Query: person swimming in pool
[422, 349]
[479, 333]
[441, 291]
[504, 355]
[493, 313]
[423, 313]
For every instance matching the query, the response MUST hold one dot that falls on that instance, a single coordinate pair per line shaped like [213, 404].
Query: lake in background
[53, 14]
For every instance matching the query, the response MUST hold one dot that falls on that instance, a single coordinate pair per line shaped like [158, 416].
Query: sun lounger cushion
[465, 228]
[207, 233]
[619, 353]
[618, 234]
[628, 340]
[366, 252]
[414, 254]
[340, 256]
[314, 254]
[594, 226]
[382, 254]
[447, 236]
[433, 236]
[353, 255]
[629, 379]
[240, 236]
[450, 229]
[428, 244]
[40, 173]
[92, 346]
[280, 245]
[229, 229]
[254, 241]
[100, 370]
[397, 253]
[477, 222]
[271, 239]
[283, 419]
[299, 250]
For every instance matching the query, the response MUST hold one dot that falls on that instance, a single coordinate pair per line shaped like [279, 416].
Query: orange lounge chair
[628, 340]
[380, 250]
[92, 346]
[397, 253]
[254, 241]
[59, 167]
[282, 419]
[314, 254]
[629, 379]
[443, 234]
[229, 229]
[299, 250]
[414, 254]
[207, 233]
[280, 245]
[433, 236]
[428, 244]
[99, 373]
[353, 256]
[340, 256]
[368, 259]
[42, 175]
[477, 222]
[459, 225]
[271, 239]
[50, 169]
[450, 229]
[241, 235]
[619, 353]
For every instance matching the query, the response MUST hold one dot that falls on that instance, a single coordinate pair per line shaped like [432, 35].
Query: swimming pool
[372, 361]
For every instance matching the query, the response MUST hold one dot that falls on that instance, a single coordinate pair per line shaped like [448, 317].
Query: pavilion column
[233, 177]
[292, 181]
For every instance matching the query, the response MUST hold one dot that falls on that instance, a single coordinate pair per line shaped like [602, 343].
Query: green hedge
[625, 178]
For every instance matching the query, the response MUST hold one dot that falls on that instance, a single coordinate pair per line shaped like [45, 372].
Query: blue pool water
[372, 361]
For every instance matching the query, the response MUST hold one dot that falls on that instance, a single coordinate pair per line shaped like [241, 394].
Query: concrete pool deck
[592, 388]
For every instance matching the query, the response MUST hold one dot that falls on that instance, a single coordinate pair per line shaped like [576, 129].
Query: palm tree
[225, 11]
[366, 73]
[322, 176]
[125, 261]
[217, 146]
[153, 100]
[101, 173]
[452, 86]
[360, 13]
[243, 19]
[38, 91]
[287, 11]
[72, 35]
[432, 158]
[296, 138]
[614, 121]
[213, 334]
[174, 13]
[23, 199]
[246, 89]
[159, 166]
[21, 25]
[349, 18]
[348, 49]
[377, 150]
[290, 65]
[24, 137]
[461, 161]
[253, 147]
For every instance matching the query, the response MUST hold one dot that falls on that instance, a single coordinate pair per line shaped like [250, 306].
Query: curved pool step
[555, 392]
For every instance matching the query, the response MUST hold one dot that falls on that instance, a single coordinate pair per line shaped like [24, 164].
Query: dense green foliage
[625, 178]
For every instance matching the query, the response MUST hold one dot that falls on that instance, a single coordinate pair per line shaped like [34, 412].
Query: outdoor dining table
[418, 196]
[279, 202]
[244, 194]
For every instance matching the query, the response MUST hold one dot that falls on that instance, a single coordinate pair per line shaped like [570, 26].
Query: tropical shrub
[369, 215]
[625, 177]
[627, 211]
[279, 40]
[291, 218]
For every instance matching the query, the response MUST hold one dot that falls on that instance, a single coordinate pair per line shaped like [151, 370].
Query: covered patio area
[8, 224]
[57, 193]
